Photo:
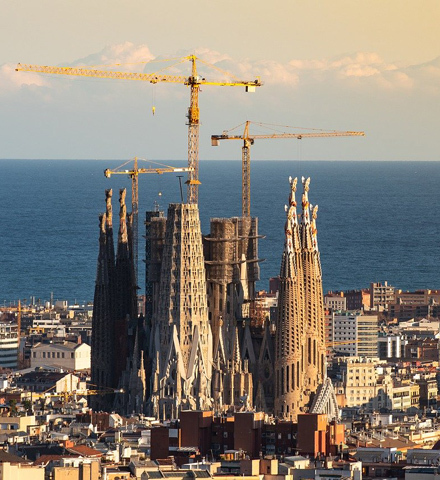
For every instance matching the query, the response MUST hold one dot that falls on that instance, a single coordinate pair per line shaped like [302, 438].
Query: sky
[370, 66]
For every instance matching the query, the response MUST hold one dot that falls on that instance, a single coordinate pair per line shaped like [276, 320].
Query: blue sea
[377, 221]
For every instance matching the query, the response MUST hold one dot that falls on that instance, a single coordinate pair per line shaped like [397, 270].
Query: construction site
[202, 342]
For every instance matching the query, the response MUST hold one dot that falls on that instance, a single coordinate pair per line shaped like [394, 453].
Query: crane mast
[249, 140]
[194, 81]
[193, 138]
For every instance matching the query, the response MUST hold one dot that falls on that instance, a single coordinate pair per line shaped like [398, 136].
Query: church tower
[289, 340]
[299, 341]
[313, 296]
[182, 366]
[103, 311]
[126, 317]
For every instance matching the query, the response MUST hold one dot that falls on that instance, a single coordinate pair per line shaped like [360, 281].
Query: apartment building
[355, 335]
[67, 355]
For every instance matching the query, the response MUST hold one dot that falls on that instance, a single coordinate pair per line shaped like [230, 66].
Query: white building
[67, 355]
[355, 335]
[8, 345]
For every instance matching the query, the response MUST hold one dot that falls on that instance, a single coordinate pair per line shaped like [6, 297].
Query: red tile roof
[84, 451]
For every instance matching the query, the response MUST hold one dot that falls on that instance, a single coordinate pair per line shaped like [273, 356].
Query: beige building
[401, 396]
[360, 383]
[369, 386]
[336, 301]
[19, 424]
[67, 355]
[86, 470]
[20, 471]
[381, 295]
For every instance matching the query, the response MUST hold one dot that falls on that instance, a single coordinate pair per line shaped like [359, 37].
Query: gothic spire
[109, 211]
[236, 357]
[314, 229]
[305, 202]
[289, 267]
[306, 230]
[123, 235]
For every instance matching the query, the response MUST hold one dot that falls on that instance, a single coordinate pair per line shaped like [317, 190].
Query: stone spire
[123, 235]
[313, 297]
[182, 334]
[289, 339]
[236, 357]
[306, 232]
[125, 292]
[290, 259]
[102, 371]
[300, 348]
[314, 229]
[109, 211]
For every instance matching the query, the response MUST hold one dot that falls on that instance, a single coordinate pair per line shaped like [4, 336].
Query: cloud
[126, 53]
[354, 71]
[368, 69]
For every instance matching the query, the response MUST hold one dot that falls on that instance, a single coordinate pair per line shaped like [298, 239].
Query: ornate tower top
[305, 201]
[292, 202]
[109, 212]
[102, 223]
[314, 229]
[289, 267]
[291, 220]
[123, 236]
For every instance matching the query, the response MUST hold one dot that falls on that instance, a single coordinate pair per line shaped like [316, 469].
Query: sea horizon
[376, 219]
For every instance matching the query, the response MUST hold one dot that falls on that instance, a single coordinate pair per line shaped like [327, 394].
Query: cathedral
[199, 346]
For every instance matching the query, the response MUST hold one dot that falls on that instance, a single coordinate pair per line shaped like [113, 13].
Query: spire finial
[102, 222]
[109, 211]
[292, 201]
[314, 229]
[305, 201]
[123, 237]
[291, 220]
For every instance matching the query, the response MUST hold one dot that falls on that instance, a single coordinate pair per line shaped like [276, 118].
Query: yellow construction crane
[68, 395]
[133, 173]
[249, 139]
[194, 81]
